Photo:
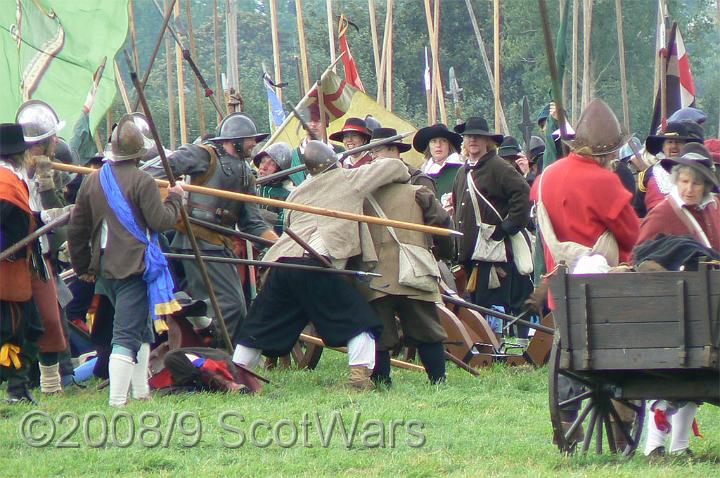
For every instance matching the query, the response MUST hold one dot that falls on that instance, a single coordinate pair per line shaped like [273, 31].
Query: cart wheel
[597, 415]
[305, 355]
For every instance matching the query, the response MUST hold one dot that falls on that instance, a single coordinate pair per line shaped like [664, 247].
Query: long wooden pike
[60, 221]
[394, 362]
[287, 205]
[183, 212]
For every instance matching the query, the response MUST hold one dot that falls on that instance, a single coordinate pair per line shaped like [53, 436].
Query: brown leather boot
[360, 378]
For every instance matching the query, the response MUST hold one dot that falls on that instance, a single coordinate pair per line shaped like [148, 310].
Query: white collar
[433, 169]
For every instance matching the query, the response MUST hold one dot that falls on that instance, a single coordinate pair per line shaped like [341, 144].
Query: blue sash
[157, 275]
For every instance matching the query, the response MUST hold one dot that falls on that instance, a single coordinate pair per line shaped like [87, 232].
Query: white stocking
[247, 356]
[682, 426]
[140, 387]
[361, 350]
[655, 437]
[120, 369]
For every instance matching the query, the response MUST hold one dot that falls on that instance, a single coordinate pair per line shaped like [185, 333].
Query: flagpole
[216, 54]
[575, 29]
[427, 84]
[305, 80]
[439, 92]
[486, 61]
[170, 86]
[121, 87]
[374, 38]
[496, 58]
[331, 29]
[180, 68]
[321, 108]
[587, 34]
[623, 77]
[389, 59]
[233, 82]
[276, 48]
[196, 82]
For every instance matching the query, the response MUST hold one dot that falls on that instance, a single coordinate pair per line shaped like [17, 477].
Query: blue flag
[276, 112]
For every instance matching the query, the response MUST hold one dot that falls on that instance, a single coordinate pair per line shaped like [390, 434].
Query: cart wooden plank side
[630, 337]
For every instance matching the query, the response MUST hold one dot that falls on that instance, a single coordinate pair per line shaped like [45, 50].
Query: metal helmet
[598, 131]
[127, 141]
[238, 126]
[626, 151]
[281, 153]
[141, 122]
[319, 157]
[65, 154]
[372, 123]
[536, 147]
[39, 121]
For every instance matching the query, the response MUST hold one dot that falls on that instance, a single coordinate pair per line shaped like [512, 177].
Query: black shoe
[381, 379]
[657, 452]
[20, 396]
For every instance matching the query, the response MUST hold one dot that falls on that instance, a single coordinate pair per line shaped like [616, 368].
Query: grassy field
[493, 425]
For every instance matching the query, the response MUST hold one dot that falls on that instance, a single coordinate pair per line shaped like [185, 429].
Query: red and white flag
[352, 76]
[679, 84]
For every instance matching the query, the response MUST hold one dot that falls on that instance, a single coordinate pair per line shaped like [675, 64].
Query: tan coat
[343, 190]
[397, 202]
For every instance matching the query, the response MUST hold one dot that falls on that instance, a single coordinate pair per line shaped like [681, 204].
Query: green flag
[50, 50]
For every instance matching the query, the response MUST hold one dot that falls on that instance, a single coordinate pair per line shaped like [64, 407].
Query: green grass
[493, 425]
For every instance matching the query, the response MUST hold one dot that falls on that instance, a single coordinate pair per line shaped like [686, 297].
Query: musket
[550, 52]
[183, 212]
[504, 317]
[232, 232]
[280, 265]
[60, 221]
[455, 91]
[251, 198]
[526, 126]
[280, 174]
[209, 93]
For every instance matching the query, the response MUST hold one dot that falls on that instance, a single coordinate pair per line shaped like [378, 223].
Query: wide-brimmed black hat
[688, 131]
[382, 133]
[696, 156]
[478, 125]
[11, 139]
[509, 147]
[352, 125]
[424, 135]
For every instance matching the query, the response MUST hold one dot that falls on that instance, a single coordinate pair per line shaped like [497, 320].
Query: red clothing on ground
[664, 219]
[583, 199]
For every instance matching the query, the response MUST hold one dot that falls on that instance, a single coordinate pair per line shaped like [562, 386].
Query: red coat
[665, 219]
[583, 199]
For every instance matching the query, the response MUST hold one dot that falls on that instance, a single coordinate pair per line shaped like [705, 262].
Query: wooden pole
[437, 77]
[216, 54]
[428, 95]
[133, 34]
[496, 58]
[194, 52]
[389, 57]
[276, 48]
[621, 54]
[574, 87]
[587, 53]
[432, 116]
[121, 87]
[486, 61]
[251, 198]
[374, 37]
[302, 46]
[394, 362]
[108, 122]
[231, 53]
[381, 82]
[331, 29]
[169, 70]
[180, 66]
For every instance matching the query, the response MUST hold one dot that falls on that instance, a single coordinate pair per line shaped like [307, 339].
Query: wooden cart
[627, 338]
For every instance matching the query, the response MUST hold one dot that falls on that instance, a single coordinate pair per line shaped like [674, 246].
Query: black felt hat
[477, 125]
[697, 157]
[688, 131]
[424, 135]
[509, 147]
[11, 139]
[382, 133]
